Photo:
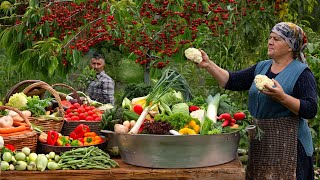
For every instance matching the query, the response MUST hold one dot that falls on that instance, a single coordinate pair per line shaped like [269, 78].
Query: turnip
[26, 151]
[7, 157]
[20, 156]
[32, 156]
[4, 165]
[21, 166]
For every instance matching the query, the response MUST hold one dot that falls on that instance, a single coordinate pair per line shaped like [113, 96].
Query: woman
[285, 149]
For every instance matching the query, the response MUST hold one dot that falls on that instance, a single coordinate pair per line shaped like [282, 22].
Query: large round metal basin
[168, 151]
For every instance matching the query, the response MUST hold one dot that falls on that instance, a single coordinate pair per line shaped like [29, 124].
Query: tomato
[77, 105]
[87, 108]
[66, 103]
[98, 118]
[81, 110]
[94, 116]
[75, 113]
[68, 111]
[89, 118]
[239, 116]
[82, 116]
[137, 109]
[75, 118]
[90, 113]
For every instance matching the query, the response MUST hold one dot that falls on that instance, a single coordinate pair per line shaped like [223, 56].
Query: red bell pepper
[52, 137]
[73, 135]
[10, 147]
[193, 108]
[81, 129]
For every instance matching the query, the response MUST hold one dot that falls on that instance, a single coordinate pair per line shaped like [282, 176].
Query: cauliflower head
[261, 80]
[18, 100]
[193, 54]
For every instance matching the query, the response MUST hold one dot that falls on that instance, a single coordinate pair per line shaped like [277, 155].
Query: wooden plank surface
[229, 171]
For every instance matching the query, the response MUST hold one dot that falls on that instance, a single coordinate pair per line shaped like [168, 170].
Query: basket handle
[16, 87]
[74, 92]
[17, 111]
[48, 88]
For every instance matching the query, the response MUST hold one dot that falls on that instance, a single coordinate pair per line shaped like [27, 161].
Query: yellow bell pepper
[187, 131]
[193, 125]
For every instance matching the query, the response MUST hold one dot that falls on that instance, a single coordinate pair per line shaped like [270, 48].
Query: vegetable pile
[80, 136]
[166, 110]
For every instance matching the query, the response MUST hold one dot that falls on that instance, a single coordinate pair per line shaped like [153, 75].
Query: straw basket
[26, 138]
[47, 124]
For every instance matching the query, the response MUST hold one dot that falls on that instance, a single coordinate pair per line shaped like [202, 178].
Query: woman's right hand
[205, 63]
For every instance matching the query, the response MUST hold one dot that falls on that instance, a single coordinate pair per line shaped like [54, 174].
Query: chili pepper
[193, 108]
[52, 137]
[90, 134]
[81, 129]
[10, 147]
[225, 116]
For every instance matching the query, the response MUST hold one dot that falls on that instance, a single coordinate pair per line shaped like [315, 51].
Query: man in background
[101, 88]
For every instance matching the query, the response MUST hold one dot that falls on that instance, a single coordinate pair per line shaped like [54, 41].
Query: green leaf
[75, 56]
[53, 64]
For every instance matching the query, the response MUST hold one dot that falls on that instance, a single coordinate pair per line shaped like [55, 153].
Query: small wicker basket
[47, 124]
[27, 138]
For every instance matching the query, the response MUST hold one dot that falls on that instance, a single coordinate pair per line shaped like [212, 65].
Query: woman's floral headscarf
[294, 36]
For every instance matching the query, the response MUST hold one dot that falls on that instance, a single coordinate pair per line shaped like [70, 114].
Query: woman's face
[277, 47]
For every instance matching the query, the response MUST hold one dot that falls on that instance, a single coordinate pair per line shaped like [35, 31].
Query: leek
[213, 105]
[170, 79]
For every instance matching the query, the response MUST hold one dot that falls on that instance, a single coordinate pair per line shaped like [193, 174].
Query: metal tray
[169, 151]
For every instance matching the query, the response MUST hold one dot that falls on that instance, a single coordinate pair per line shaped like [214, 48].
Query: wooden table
[229, 171]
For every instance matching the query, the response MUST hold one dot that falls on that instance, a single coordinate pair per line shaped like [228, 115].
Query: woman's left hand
[276, 92]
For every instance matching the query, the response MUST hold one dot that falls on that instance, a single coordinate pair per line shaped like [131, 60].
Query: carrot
[17, 123]
[15, 133]
[12, 129]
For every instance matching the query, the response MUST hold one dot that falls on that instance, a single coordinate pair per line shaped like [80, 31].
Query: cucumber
[130, 115]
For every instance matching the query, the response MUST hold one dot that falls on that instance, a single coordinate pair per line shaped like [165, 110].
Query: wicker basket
[75, 95]
[69, 126]
[21, 85]
[27, 138]
[47, 124]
